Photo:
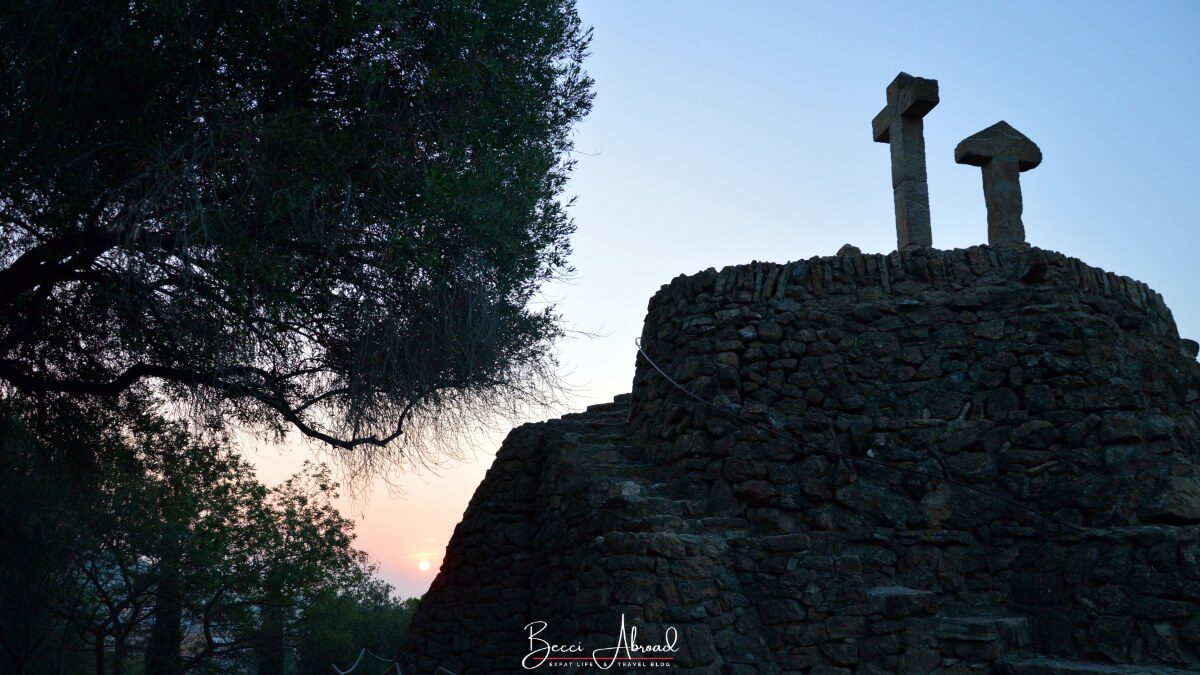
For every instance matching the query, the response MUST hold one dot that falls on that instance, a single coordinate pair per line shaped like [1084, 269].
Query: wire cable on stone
[848, 457]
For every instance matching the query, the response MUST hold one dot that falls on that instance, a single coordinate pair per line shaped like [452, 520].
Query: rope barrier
[392, 663]
[773, 430]
[354, 665]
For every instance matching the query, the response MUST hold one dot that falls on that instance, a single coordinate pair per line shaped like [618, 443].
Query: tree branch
[11, 371]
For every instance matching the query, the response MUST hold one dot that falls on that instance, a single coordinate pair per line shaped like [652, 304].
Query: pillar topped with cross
[1003, 153]
[900, 125]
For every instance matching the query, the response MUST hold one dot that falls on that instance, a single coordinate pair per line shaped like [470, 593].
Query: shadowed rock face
[1022, 372]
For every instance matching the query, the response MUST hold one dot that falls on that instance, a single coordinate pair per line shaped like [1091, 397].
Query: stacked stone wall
[763, 539]
[1021, 372]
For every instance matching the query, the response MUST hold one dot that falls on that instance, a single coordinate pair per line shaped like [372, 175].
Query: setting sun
[423, 565]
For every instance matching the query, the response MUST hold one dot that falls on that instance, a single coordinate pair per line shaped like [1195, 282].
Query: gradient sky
[730, 132]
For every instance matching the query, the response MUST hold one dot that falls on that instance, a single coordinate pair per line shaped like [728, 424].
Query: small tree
[305, 545]
[150, 550]
[335, 626]
[325, 214]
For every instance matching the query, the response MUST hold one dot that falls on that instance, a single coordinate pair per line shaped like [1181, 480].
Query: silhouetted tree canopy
[329, 214]
[130, 545]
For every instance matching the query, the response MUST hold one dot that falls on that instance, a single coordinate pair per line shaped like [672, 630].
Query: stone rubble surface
[1022, 372]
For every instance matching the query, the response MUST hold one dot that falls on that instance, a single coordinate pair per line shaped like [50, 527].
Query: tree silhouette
[325, 214]
[157, 551]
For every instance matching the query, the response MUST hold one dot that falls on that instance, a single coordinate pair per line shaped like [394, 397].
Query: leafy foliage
[143, 544]
[330, 214]
[334, 627]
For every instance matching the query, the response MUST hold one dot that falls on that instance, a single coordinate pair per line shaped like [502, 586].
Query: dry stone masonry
[732, 508]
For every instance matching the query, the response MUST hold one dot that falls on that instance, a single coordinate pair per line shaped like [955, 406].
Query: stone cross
[899, 124]
[1004, 153]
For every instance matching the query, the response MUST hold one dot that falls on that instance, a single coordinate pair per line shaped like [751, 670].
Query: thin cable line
[392, 663]
[371, 653]
[841, 455]
[354, 665]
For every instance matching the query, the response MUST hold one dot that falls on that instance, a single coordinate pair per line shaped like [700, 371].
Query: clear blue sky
[724, 133]
[727, 132]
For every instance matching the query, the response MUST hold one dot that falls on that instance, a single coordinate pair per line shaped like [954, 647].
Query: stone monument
[967, 461]
[900, 124]
[1004, 153]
